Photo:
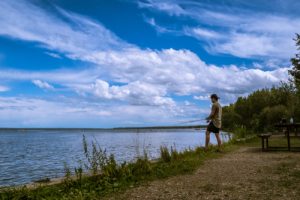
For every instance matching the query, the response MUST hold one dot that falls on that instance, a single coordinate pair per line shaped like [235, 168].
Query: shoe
[219, 151]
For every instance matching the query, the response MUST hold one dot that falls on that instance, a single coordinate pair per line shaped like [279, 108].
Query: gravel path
[244, 174]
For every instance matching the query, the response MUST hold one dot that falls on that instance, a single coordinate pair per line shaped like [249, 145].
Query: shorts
[212, 128]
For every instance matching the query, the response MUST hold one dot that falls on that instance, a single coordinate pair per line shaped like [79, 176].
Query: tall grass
[96, 157]
[167, 155]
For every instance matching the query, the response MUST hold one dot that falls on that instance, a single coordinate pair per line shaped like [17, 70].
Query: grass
[107, 176]
[289, 174]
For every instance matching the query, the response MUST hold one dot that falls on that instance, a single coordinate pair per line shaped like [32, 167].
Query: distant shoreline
[105, 129]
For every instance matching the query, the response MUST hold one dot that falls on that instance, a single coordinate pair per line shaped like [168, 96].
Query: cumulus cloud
[182, 72]
[42, 84]
[150, 77]
[137, 93]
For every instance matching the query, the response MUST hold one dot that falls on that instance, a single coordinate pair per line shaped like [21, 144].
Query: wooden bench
[264, 137]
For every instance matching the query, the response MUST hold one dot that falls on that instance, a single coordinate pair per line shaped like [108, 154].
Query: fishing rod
[186, 122]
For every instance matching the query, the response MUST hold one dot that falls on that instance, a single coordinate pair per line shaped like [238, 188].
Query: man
[214, 120]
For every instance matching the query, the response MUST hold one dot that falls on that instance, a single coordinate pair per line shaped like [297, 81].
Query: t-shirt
[216, 117]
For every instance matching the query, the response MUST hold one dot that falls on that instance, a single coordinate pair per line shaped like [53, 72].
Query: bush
[240, 132]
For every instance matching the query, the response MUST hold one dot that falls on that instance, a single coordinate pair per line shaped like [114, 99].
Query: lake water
[27, 156]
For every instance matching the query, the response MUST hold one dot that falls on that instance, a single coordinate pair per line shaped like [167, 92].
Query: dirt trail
[244, 174]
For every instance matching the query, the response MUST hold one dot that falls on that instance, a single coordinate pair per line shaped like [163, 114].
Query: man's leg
[219, 140]
[207, 138]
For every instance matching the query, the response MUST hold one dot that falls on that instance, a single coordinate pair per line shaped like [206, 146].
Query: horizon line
[90, 128]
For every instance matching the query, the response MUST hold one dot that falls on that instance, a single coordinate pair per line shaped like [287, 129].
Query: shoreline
[171, 163]
[58, 182]
[44, 181]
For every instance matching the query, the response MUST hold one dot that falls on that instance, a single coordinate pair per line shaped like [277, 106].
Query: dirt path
[244, 174]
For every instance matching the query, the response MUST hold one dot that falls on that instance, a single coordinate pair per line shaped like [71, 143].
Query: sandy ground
[244, 174]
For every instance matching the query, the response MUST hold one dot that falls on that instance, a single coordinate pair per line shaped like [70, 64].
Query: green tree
[270, 116]
[295, 71]
[261, 109]
[230, 119]
[295, 78]
[241, 107]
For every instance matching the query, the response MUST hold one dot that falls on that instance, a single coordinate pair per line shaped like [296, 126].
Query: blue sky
[97, 63]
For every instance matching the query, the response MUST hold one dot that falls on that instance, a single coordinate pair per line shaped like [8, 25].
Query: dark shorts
[212, 128]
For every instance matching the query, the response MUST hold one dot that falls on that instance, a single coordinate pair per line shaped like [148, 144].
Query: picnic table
[289, 127]
[264, 139]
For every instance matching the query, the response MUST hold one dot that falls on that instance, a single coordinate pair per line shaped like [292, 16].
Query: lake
[31, 155]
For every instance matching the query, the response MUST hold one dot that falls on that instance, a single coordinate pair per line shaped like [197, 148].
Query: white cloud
[149, 77]
[247, 45]
[202, 33]
[4, 88]
[61, 76]
[67, 112]
[233, 30]
[136, 93]
[158, 28]
[182, 72]
[172, 9]
[33, 112]
[43, 84]
[54, 55]
[66, 32]
[202, 97]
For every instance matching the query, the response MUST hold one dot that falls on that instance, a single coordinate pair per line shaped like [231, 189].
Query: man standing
[214, 120]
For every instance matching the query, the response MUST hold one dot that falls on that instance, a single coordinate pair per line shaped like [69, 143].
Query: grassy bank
[106, 176]
[245, 173]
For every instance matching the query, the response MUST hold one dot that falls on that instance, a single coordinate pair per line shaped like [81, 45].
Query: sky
[101, 64]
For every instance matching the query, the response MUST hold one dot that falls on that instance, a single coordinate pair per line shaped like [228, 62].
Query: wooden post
[288, 138]
[262, 143]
